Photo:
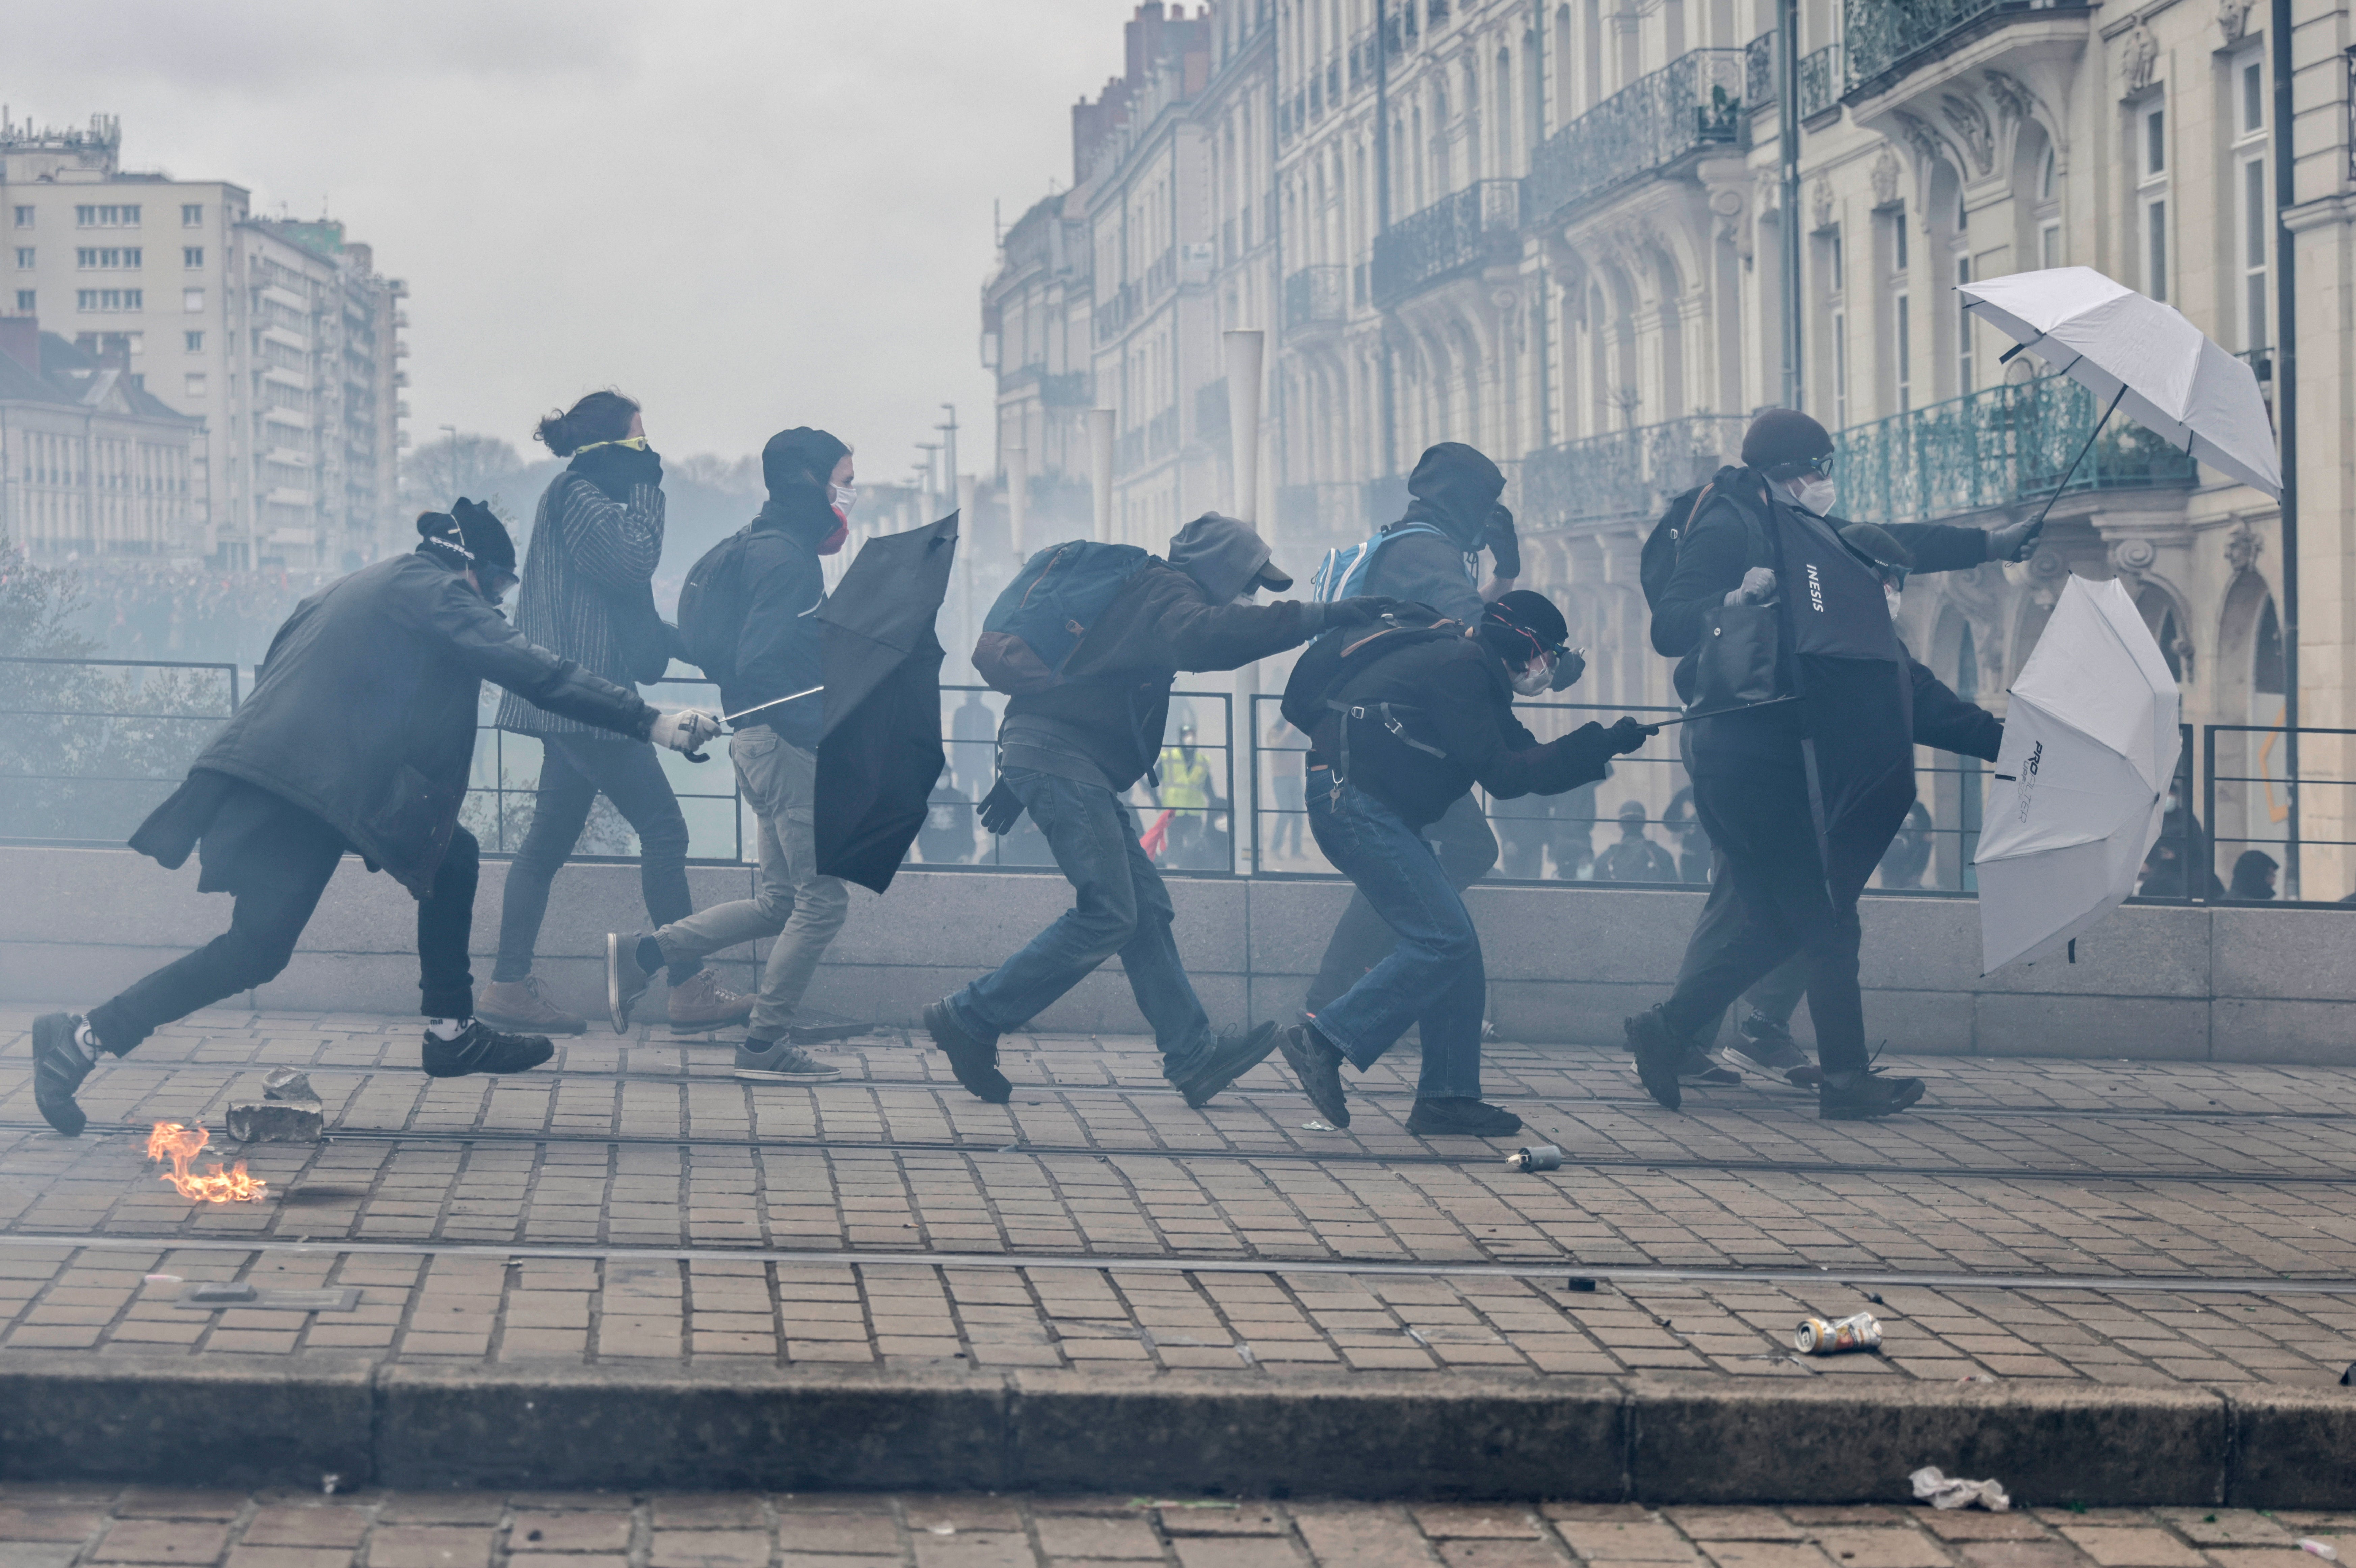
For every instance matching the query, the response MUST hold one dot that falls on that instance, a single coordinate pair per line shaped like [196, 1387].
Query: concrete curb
[1595, 1439]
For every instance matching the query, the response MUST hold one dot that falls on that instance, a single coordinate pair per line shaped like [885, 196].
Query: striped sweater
[582, 540]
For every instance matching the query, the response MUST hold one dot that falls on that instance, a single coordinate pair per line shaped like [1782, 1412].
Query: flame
[180, 1145]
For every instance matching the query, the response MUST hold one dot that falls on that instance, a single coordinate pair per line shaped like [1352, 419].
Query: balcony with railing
[1692, 103]
[1624, 473]
[1314, 294]
[1993, 448]
[1065, 389]
[1821, 82]
[1758, 71]
[1885, 38]
[1467, 227]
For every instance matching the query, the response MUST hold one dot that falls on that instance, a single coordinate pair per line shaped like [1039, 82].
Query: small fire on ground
[180, 1145]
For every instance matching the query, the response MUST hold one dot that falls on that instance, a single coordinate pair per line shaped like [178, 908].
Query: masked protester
[1404, 734]
[1454, 490]
[586, 593]
[774, 748]
[1065, 757]
[358, 738]
[1803, 796]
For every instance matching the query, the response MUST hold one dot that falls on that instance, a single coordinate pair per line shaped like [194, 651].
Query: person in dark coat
[1803, 796]
[1431, 556]
[358, 738]
[2254, 877]
[1632, 857]
[811, 477]
[585, 592]
[1425, 724]
[1068, 754]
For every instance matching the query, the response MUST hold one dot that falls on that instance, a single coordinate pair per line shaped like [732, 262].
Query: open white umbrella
[2142, 358]
[2089, 744]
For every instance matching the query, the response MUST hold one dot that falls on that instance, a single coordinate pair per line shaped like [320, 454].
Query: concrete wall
[1565, 963]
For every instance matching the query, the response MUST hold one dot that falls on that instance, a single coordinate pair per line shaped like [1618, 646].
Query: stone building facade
[1559, 228]
[90, 464]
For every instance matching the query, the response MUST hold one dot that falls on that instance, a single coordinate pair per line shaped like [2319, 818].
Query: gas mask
[1818, 493]
[1533, 677]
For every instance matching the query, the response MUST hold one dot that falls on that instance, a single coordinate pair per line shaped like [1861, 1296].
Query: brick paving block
[2045, 1554]
[1460, 1521]
[979, 1549]
[1972, 1524]
[442, 1507]
[36, 1554]
[244, 1556]
[1889, 1546]
[163, 1541]
[297, 1525]
[1499, 1554]
[1221, 1519]
[1622, 1540]
[1214, 1552]
[569, 1533]
[429, 1546]
[874, 1534]
[1765, 1554]
[707, 1549]
[19, 1522]
[1092, 1536]
[2261, 1557]
[2131, 1546]
[1813, 1514]
[1733, 1523]
[2227, 1527]
[1375, 1535]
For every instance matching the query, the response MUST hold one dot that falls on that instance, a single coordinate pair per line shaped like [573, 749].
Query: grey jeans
[790, 900]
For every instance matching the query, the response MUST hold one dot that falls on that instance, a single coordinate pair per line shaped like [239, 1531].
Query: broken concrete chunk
[287, 1084]
[276, 1121]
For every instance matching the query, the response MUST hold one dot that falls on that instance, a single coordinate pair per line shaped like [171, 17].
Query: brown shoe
[524, 1006]
[701, 1002]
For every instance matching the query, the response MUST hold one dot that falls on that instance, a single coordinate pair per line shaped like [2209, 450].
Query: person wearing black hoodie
[768, 682]
[358, 738]
[1431, 556]
[586, 594]
[1404, 734]
[1066, 755]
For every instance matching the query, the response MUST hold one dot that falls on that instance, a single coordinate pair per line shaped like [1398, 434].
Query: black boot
[58, 1068]
[1865, 1097]
[971, 1058]
[1660, 1054]
[1460, 1115]
[479, 1048]
[1234, 1053]
[1317, 1062]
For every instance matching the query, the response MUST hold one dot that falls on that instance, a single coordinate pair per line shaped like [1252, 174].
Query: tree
[481, 468]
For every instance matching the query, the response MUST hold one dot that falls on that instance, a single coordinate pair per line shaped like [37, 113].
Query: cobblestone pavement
[59, 1526]
[2124, 1222]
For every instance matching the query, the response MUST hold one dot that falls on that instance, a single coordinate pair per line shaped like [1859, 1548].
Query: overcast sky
[748, 214]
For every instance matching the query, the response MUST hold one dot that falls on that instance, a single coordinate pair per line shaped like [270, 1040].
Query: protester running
[1084, 728]
[766, 589]
[358, 738]
[1401, 724]
[587, 594]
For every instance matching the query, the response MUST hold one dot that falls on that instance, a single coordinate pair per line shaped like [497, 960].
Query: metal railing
[1886, 37]
[1624, 472]
[1993, 448]
[1759, 84]
[1464, 229]
[1314, 294]
[89, 747]
[1820, 80]
[2280, 807]
[1694, 101]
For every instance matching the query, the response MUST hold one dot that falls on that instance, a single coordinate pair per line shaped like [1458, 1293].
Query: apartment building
[90, 464]
[1592, 237]
[280, 336]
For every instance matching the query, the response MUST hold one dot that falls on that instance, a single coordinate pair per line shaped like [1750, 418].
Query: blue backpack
[1343, 573]
[1031, 632]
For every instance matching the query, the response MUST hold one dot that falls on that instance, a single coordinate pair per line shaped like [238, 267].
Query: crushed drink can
[1542, 1156]
[1819, 1337]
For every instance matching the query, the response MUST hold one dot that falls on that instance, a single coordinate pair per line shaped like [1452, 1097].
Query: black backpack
[1337, 659]
[1658, 562]
[712, 608]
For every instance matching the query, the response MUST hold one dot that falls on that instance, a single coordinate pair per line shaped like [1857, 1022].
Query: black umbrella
[882, 750]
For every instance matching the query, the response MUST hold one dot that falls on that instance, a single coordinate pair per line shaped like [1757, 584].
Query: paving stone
[163, 1541]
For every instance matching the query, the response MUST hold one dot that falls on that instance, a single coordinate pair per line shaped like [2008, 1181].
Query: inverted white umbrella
[2089, 744]
[2144, 359]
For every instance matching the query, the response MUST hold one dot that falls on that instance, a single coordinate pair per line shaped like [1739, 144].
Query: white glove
[684, 729]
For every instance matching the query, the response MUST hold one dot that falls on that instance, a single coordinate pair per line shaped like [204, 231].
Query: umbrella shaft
[2089, 446]
[773, 703]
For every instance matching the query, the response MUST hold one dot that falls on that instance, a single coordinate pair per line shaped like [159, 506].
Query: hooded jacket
[1464, 705]
[364, 713]
[1454, 488]
[1175, 614]
[778, 649]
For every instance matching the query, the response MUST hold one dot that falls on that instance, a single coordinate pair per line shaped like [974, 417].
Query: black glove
[1567, 670]
[1505, 544]
[1629, 734]
[1001, 808]
[1360, 611]
[2015, 541]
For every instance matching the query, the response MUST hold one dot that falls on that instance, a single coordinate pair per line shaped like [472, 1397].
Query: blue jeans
[1122, 910]
[1434, 977]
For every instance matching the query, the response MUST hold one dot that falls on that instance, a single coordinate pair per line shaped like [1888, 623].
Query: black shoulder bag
[1740, 662]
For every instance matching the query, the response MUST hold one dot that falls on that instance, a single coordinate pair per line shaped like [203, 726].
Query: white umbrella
[2142, 357]
[2089, 744]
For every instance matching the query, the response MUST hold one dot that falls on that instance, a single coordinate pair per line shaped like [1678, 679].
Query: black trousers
[1782, 907]
[1777, 995]
[574, 771]
[276, 894]
[1362, 938]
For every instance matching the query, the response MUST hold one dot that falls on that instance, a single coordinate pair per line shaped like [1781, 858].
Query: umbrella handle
[2072, 469]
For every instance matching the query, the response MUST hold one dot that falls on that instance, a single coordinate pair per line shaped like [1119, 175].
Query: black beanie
[1521, 625]
[469, 535]
[1782, 436]
[794, 456]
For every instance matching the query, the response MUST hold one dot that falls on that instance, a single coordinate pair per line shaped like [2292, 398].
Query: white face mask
[1535, 679]
[1891, 595]
[1816, 493]
[845, 497]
